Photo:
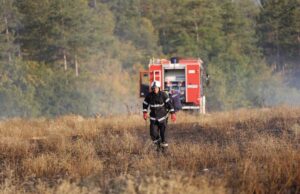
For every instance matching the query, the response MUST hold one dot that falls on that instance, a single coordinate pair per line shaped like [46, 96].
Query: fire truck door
[157, 75]
[193, 84]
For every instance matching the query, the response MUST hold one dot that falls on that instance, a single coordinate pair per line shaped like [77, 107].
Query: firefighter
[159, 104]
[175, 98]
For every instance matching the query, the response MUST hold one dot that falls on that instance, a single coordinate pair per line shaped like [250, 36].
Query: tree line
[82, 56]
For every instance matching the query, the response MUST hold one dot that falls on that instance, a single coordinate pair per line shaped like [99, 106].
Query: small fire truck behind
[183, 75]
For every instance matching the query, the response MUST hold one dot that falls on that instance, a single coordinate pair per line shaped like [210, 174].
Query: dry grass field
[244, 151]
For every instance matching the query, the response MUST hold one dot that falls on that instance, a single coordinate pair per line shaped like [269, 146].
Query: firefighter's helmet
[155, 84]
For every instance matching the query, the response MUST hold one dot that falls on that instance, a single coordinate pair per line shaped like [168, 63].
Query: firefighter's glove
[173, 117]
[145, 115]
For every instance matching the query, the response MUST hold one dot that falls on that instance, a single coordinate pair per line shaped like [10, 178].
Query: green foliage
[133, 28]
[52, 29]
[16, 91]
[278, 29]
[59, 92]
[9, 27]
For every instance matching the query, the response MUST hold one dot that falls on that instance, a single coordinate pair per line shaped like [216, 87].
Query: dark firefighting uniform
[159, 105]
[175, 100]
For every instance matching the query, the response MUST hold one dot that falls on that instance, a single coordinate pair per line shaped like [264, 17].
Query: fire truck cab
[183, 75]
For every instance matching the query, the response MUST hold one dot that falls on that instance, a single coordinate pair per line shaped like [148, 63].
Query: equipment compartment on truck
[180, 74]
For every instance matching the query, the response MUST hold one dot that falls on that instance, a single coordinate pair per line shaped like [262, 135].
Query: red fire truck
[181, 74]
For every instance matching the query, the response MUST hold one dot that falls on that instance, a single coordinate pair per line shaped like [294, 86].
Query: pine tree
[16, 95]
[59, 31]
[132, 26]
[9, 26]
[278, 29]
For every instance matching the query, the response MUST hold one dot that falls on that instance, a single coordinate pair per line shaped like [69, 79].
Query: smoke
[258, 2]
[282, 88]
[289, 92]
[283, 95]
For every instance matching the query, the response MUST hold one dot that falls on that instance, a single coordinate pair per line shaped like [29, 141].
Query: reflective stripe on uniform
[168, 99]
[157, 105]
[161, 119]
[174, 95]
[145, 103]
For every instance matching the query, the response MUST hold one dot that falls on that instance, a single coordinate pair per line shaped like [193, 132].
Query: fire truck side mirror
[207, 79]
[144, 83]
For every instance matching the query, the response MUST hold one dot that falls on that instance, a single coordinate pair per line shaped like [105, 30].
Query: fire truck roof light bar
[156, 61]
[174, 66]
